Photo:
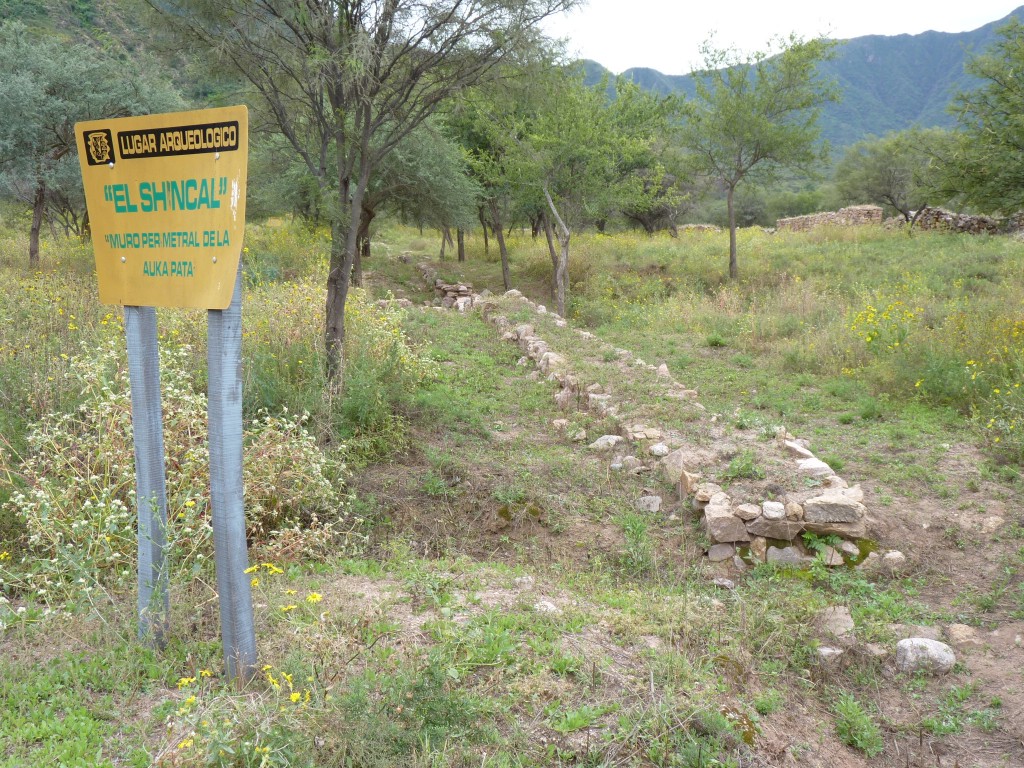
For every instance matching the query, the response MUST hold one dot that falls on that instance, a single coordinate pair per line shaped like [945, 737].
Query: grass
[511, 607]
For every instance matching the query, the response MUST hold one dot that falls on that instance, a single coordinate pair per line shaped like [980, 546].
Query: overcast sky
[666, 34]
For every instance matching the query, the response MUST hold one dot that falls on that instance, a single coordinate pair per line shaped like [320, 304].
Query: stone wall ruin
[853, 216]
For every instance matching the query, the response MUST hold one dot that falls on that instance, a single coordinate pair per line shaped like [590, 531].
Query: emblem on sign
[100, 147]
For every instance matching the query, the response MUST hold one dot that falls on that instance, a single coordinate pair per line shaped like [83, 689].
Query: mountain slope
[888, 82]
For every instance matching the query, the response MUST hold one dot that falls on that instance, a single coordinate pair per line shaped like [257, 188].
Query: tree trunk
[496, 219]
[460, 235]
[38, 204]
[337, 293]
[446, 239]
[344, 234]
[562, 271]
[483, 226]
[546, 222]
[733, 269]
[562, 263]
[362, 246]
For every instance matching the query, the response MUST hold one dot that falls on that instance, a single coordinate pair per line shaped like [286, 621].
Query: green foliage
[637, 556]
[985, 166]
[856, 727]
[42, 97]
[744, 465]
[66, 711]
[895, 171]
[754, 115]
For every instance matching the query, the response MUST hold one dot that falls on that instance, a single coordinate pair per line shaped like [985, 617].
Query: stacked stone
[458, 295]
[771, 529]
[948, 221]
[399, 303]
[852, 216]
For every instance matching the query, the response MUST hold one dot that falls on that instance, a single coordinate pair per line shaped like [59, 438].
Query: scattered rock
[832, 558]
[651, 504]
[876, 650]
[675, 464]
[546, 606]
[870, 563]
[724, 583]
[836, 621]
[991, 524]
[894, 562]
[659, 449]
[962, 636]
[916, 630]
[719, 552]
[523, 582]
[605, 443]
[849, 549]
[919, 654]
[830, 657]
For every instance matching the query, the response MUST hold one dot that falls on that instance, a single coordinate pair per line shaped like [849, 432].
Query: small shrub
[744, 465]
[855, 726]
[637, 556]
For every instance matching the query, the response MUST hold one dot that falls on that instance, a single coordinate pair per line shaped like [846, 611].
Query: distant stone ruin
[947, 221]
[853, 216]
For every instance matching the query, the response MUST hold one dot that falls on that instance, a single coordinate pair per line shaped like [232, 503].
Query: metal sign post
[166, 200]
[150, 475]
[224, 363]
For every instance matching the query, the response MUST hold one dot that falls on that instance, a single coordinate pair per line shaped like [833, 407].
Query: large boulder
[919, 654]
[723, 526]
[833, 508]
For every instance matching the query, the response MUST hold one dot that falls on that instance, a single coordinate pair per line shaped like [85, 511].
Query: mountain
[888, 82]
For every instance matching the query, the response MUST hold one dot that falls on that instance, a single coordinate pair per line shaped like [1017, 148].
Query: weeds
[856, 727]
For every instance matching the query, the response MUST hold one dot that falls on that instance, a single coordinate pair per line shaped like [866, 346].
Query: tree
[425, 179]
[755, 115]
[985, 167]
[345, 81]
[581, 152]
[895, 170]
[46, 86]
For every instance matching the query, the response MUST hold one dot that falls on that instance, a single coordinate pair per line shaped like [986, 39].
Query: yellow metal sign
[166, 200]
